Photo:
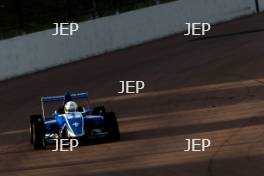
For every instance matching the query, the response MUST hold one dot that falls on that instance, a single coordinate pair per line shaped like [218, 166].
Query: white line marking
[14, 132]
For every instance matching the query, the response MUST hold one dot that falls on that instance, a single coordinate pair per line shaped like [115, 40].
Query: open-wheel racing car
[73, 119]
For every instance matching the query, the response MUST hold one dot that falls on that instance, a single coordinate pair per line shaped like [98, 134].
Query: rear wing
[76, 96]
[60, 98]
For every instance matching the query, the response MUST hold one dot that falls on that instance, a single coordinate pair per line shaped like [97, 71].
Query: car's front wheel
[111, 125]
[38, 134]
[32, 118]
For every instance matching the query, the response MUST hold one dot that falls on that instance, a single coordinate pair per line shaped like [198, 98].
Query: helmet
[70, 106]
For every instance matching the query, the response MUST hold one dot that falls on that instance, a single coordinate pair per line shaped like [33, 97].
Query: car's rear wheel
[111, 125]
[38, 134]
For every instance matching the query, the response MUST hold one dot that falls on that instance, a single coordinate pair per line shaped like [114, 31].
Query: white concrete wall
[38, 51]
[261, 5]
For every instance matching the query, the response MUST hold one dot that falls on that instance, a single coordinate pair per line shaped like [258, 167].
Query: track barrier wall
[38, 51]
[261, 5]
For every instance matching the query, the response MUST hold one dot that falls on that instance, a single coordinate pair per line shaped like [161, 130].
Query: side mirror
[55, 113]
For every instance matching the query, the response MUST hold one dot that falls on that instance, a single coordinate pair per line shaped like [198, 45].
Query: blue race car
[68, 117]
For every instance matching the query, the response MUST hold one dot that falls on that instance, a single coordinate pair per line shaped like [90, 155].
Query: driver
[70, 106]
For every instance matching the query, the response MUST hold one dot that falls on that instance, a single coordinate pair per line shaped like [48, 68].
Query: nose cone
[75, 124]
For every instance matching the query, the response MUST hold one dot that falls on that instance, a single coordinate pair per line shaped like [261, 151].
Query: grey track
[209, 87]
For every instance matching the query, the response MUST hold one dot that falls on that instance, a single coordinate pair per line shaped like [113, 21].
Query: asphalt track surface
[211, 87]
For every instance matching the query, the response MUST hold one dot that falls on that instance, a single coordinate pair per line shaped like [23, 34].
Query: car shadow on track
[227, 166]
[191, 129]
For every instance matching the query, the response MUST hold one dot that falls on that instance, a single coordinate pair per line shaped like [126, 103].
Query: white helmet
[71, 106]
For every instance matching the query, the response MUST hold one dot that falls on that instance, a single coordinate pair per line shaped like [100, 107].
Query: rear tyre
[38, 134]
[99, 110]
[111, 125]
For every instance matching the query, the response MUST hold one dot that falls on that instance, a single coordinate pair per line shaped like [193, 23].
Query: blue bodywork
[76, 124]
[76, 96]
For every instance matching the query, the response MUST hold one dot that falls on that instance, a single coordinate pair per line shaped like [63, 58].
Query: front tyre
[38, 134]
[111, 125]
[32, 119]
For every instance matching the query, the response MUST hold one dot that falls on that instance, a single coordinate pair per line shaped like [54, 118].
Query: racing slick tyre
[31, 120]
[111, 125]
[38, 134]
[99, 110]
